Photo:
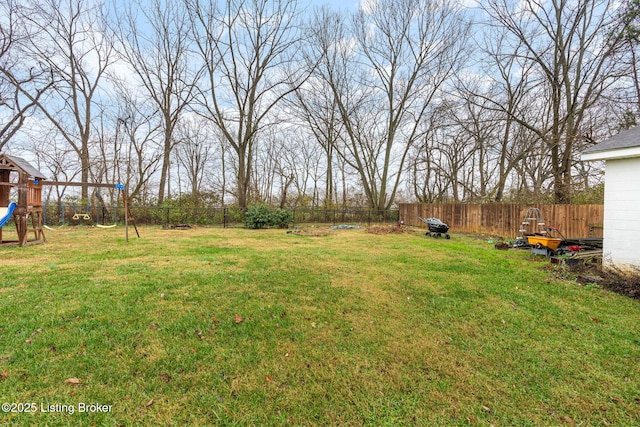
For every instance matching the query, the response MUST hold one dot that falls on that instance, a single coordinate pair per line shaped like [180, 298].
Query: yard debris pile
[310, 233]
[388, 229]
[502, 246]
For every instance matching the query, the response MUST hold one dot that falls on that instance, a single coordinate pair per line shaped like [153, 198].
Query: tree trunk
[166, 164]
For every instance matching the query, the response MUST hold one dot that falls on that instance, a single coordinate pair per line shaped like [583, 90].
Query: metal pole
[126, 214]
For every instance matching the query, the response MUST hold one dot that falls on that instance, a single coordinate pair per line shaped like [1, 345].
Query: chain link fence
[56, 215]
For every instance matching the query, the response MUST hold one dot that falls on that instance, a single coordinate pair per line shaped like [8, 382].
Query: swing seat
[51, 228]
[105, 226]
[85, 216]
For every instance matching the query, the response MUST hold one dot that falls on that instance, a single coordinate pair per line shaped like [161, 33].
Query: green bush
[263, 216]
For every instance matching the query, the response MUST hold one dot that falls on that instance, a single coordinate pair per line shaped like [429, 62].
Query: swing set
[77, 214]
[29, 184]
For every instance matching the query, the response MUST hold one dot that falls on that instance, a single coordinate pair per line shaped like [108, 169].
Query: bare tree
[629, 94]
[217, 176]
[267, 165]
[247, 49]
[463, 153]
[317, 108]
[311, 163]
[497, 137]
[70, 39]
[439, 160]
[137, 151]
[58, 161]
[22, 83]
[315, 105]
[568, 49]
[428, 183]
[194, 153]
[384, 72]
[159, 57]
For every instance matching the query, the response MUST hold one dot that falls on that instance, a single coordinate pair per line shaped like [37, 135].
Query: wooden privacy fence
[504, 220]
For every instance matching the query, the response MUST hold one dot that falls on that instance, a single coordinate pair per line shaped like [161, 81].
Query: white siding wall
[622, 213]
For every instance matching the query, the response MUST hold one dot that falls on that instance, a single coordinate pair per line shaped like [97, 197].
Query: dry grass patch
[391, 229]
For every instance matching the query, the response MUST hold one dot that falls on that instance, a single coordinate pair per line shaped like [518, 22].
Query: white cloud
[368, 6]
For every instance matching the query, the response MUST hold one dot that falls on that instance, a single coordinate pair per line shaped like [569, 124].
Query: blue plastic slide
[6, 213]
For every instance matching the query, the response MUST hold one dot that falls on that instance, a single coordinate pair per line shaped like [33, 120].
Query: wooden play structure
[27, 212]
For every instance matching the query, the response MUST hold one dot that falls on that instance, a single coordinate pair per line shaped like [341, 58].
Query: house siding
[622, 214]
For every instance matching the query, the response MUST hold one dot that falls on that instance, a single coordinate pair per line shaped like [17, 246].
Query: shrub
[263, 216]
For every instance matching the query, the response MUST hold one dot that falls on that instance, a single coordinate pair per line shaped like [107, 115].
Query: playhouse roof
[626, 144]
[19, 164]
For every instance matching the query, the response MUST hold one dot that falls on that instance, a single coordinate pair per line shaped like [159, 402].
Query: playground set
[27, 212]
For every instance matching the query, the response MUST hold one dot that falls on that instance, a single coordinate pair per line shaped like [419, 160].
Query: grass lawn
[240, 327]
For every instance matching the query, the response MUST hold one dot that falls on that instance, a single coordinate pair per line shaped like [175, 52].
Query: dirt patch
[627, 284]
[388, 229]
[309, 233]
[590, 273]
[177, 227]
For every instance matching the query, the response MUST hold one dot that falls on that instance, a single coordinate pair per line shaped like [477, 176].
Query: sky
[350, 5]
